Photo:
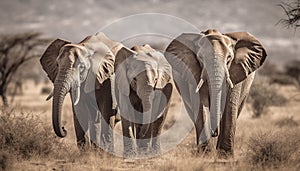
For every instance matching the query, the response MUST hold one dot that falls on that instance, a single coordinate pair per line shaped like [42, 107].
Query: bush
[293, 70]
[263, 96]
[46, 90]
[283, 80]
[26, 135]
[287, 122]
[274, 149]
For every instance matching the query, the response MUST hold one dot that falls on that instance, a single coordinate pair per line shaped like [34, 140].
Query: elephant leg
[80, 131]
[128, 138]
[104, 99]
[94, 126]
[156, 132]
[143, 141]
[202, 129]
[81, 124]
[225, 144]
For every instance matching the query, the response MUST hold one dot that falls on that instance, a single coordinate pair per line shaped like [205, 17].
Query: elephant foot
[129, 154]
[203, 149]
[225, 154]
[81, 144]
[155, 149]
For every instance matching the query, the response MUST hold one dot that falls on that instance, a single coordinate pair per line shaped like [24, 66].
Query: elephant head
[141, 70]
[71, 65]
[224, 59]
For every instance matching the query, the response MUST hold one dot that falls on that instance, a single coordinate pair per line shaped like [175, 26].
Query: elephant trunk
[216, 74]
[147, 101]
[61, 88]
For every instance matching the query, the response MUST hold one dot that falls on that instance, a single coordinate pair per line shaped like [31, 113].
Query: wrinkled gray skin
[85, 70]
[143, 91]
[223, 67]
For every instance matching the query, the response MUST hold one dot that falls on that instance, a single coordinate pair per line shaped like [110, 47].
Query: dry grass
[275, 149]
[28, 142]
[26, 135]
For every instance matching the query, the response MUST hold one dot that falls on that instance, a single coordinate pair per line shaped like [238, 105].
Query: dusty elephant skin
[143, 91]
[222, 68]
[85, 70]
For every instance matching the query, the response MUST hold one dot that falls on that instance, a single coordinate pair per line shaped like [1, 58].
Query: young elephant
[143, 91]
[215, 71]
[85, 70]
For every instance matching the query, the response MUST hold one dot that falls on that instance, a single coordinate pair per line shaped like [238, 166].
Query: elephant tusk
[77, 84]
[77, 96]
[229, 82]
[228, 78]
[199, 85]
[49, 96]
[200, 82]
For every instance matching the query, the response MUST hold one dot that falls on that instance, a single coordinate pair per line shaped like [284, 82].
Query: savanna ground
[268, 142]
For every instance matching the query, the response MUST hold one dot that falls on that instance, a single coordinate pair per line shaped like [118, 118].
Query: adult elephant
[143, 91]
[213, 73]
[85, 70]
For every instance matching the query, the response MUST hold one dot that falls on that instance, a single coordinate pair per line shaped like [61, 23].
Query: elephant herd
[212, 72]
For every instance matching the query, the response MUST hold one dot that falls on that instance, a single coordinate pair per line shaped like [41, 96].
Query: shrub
[287, 122]
[293, 69]
[26, 135]
[263, 96]
[46, 90]
[274, 149]
[283, 79]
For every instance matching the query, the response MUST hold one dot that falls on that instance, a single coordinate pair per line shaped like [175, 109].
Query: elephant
[213, 73]
[86, 71]
[143, 91]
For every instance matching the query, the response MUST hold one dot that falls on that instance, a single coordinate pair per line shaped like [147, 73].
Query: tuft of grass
[287, 122]
[26, 136]
[262, 96]
[275, 149]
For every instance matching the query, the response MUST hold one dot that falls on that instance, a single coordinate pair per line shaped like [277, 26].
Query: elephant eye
[81, 67]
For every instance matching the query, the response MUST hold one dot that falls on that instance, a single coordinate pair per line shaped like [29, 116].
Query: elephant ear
[102, 60]
[249, 55]
[120, 66]
[181, 54]
[164, 70]
[48, 59]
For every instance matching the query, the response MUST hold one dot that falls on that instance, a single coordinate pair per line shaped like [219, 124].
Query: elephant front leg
[107, 141]
[128, 138]
[156, 129]
[104, 100]
[203, 131]
[142, 141]
[80, 130]
[225, 144]
[81, 125]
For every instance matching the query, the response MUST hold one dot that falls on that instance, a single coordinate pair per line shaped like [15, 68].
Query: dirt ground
[181, 157]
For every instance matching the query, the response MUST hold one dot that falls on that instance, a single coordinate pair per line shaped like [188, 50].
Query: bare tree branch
[292, 11]
[15, 50]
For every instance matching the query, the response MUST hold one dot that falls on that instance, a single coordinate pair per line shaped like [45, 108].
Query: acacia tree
[292, 11]
[15, 50]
